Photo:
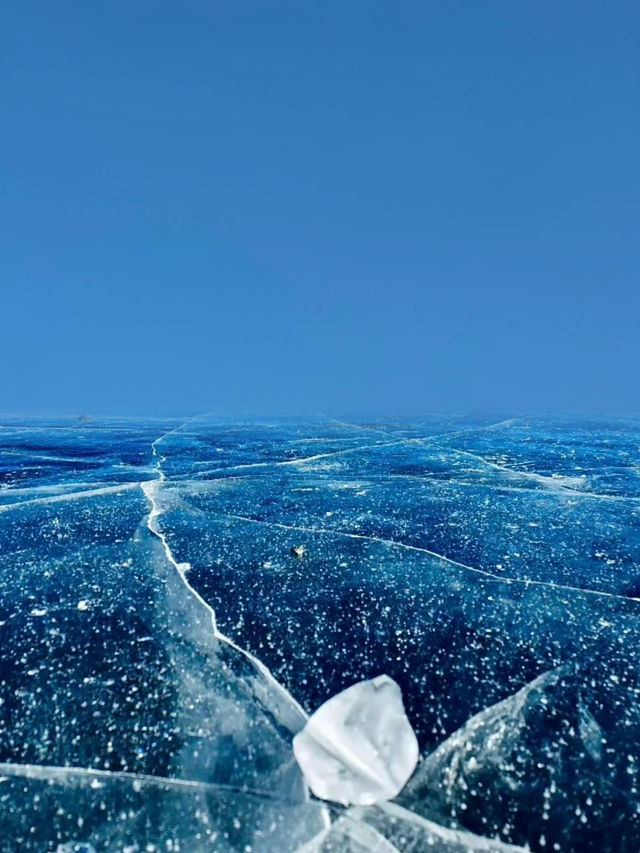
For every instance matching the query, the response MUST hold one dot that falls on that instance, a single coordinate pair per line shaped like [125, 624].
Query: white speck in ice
[83, 604]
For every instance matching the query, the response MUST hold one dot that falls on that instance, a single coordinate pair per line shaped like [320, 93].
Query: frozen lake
[177, 597]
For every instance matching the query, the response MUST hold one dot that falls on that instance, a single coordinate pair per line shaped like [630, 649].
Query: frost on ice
[358, 748]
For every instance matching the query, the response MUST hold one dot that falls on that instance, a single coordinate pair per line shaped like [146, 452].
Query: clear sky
[347, 205]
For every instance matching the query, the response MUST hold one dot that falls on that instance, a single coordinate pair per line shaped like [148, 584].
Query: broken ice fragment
[358, 748]
[538, 765]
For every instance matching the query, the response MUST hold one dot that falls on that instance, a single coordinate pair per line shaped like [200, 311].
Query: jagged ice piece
[359, 747]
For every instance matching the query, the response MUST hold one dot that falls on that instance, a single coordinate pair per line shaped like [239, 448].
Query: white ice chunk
[358, 748]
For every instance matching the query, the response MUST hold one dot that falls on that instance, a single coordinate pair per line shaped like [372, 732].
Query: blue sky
[369, 206]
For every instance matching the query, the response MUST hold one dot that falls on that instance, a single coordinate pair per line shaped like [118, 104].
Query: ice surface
[159, 637]
[110, 662]
[349, 836]
[413, 834]
[557, 763]
[388, 827]
[99, 634]
[358, 747]
[62, 809]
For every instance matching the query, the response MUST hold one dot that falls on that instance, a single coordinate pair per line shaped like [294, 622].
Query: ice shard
[388, 828]
[358, 747]
[553, 766]
[411, 833]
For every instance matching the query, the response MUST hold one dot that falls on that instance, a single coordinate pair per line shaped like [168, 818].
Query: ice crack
[151, 490]
[392, 543]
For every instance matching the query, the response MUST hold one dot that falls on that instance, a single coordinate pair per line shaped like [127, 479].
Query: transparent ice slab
[64, 810]
[555, 764]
